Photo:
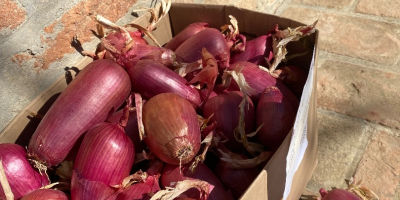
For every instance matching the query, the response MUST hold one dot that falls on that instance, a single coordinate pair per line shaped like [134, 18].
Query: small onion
[225, 110]
[150, 78]
[105, 158]
[337, 194]
[45, 194]
[21, 176]
[256, 51]
[173, 173]
[186, 33]
[277, 114]
[172, 128]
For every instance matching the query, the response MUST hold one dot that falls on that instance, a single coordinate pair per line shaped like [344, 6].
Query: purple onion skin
[98, 90]
[256, 50]
[45, 194]
[21, 177]
[172, 128]
[225, 107]
[171, 173]
[140, 191]
[277, 114]
[186, 33]
[138, 52]
[341, 194]
[212, 40]
[105, 158]
[150, 78]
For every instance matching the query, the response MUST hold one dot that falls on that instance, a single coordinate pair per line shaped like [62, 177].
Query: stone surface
[379, 168]
[248, 4]
[11, 15]
[366, 39]
[341, 142]
[387, 8]
[326, 3]
[359, 91]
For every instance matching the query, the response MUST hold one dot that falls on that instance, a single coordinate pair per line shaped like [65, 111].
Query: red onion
[275, 111]
[150, 78]
[225, 110]
[293, 77]
[172, 128]
[21, 177]
[236, 180]
[104, 159]
[45, 194]
[98, 90]
[173, 173]
[186, 33]
[212, 40]
[337, 194]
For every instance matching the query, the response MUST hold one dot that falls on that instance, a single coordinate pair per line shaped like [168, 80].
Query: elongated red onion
[172, 128]
[256, 50]
[236, 180]
[275, 111]
[45, 194]
[173, 173]
[104, 159]
[293, 77]
[337, 194]
[150, 78]
[21, 176]
[186, 33]
[96, 92]
[225, 110]
[212, 40]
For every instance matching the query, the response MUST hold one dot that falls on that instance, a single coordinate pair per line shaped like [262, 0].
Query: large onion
[186, 33]
[45, 194]
[96, 92]
[172, 128]
[256, 51]
[21, 177]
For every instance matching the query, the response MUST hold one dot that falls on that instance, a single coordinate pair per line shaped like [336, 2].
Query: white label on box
[299, 141]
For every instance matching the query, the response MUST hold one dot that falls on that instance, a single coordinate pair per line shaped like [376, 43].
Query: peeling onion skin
[211, 39]
[150, 78]
[186, 33]
[339, 194]
[256, 50]
[275, 111]
[171, 127]
[45, 194]
[105, 157]
[21, 176]
[225, 110]
[96, 92]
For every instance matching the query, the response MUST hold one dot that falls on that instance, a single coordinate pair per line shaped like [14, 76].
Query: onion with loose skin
[171, 128]
[338, 194]
[104, 159]
[186, 33]
[21, 176]
[45, 194]
[224, 109]
[96, 92]
[171, 174]
[277, 114]
[150, 78]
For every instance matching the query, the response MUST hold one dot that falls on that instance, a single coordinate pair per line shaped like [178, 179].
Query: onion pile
[204, 91]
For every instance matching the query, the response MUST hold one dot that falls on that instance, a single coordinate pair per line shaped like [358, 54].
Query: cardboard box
[287, 173]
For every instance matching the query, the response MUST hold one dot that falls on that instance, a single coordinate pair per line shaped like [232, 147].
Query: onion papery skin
[21, 176]
[171, 174]
[277, 114]
[140, 191]
[236, 180]
[258, 80]
[105, 158]
[150, 78]
[171, 127]
[140, 51]
[131, 129]
[117, 40]
[225, 110]
[212, 40]
[45, 194]
[96, 92]
[340, 194]
[256, 51]
[186, 33]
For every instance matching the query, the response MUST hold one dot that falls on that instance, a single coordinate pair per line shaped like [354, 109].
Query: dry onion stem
[182, 186]
[139, 110]
[4, 183]
[200, 158]
[363, 192]
[246, 163]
